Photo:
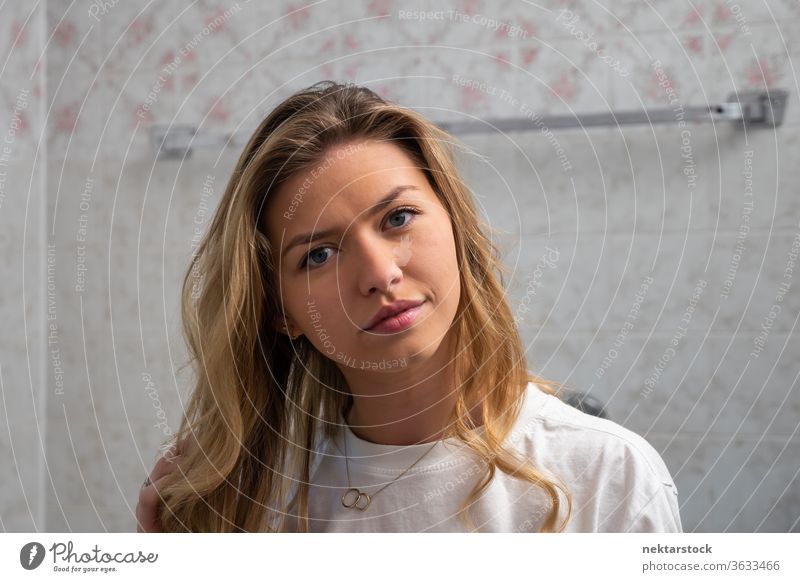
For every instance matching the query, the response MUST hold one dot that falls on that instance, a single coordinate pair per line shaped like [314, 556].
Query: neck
[402, 414]
[405, 407]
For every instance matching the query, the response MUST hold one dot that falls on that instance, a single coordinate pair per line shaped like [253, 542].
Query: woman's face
[381, 235]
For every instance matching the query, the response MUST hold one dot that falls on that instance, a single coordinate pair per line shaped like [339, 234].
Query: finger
[164, 466]
[171, 452]
[147, 519]
[149, 503]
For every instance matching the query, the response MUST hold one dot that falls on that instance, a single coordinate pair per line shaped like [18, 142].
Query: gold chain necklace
[354, 498]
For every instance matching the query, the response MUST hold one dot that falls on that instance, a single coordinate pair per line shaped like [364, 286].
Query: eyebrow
[310, 237]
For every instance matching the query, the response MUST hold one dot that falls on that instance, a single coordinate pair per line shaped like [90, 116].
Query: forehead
[346, 182]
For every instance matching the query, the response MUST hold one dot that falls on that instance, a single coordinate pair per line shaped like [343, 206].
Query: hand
[149, 498]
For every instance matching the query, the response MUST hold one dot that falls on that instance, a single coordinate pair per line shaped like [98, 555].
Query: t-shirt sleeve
[660, 513]
[653, 495]
[617, 480]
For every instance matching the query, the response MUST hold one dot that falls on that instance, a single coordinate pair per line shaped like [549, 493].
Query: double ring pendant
[358, 499]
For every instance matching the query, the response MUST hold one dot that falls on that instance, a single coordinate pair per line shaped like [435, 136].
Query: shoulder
[600, 461]
[546, 423]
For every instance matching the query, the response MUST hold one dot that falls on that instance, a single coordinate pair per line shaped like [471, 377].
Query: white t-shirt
[618, 481]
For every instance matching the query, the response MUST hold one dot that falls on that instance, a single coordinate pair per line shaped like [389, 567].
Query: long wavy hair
[261, 400]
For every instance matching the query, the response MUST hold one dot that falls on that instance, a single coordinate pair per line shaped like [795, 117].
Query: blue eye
[395, 213]
[311, 255]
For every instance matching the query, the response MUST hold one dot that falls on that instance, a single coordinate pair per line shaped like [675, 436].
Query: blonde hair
[260, 400]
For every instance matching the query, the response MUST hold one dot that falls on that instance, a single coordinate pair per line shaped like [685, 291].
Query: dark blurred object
[586, 403]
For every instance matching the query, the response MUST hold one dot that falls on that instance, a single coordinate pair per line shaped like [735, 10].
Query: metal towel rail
[755, 109]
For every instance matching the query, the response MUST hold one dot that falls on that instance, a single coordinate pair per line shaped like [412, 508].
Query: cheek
[324, 312]
[448, 281]
[292, 298]
[438, 253]
[301, 306]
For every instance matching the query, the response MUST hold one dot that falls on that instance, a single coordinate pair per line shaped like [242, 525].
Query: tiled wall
[609, 229]
[24, 354]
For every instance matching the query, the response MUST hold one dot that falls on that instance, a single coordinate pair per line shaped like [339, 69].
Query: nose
[377, 265]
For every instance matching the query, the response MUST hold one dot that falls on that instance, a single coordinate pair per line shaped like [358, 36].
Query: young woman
[358, 366]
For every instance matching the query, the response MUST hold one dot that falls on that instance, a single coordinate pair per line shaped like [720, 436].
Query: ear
[286, 326]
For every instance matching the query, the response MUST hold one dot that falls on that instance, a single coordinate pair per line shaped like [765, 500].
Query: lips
[391, 310]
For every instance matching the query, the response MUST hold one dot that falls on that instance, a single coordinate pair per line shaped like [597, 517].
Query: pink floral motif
[167, 57]
[22, 124]
[350, 42]
[564, 87]
[297, 16]
[66, 118]
[502, 59]
[529, 55]
[471, 98]
[469, 6]
[695, 44]
[139, 30]
[724, 41]
[19, 33]
[721, 14]
[327, 71]
[222, 23]
[189, 81]
[218, 111]
[761, 74]
[692, 17]
[141, 115]
[64, 34]
[528, 26]
[654, 89]
[351, 71]
[379, 7]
